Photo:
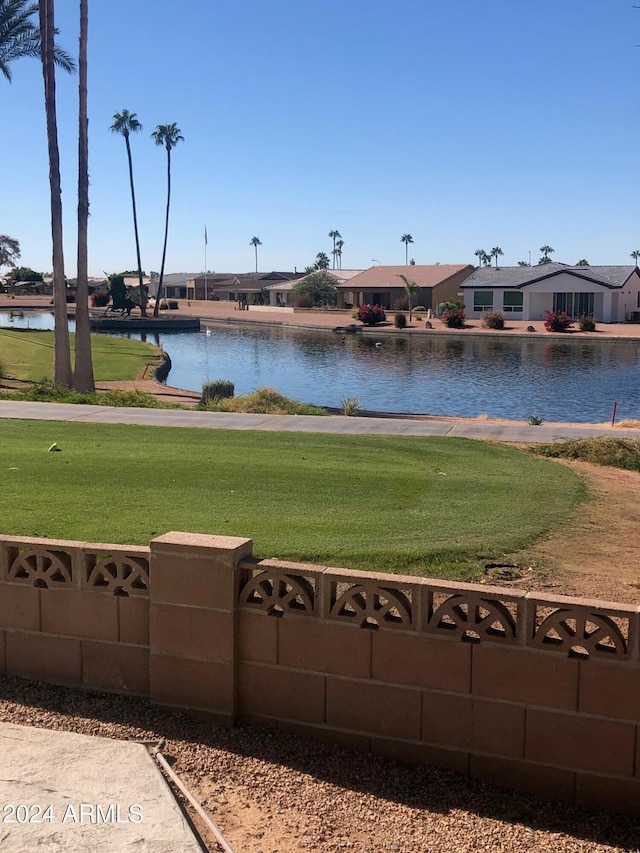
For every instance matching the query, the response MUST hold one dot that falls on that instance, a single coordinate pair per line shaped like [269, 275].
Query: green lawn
[434, 506]
[29, 355]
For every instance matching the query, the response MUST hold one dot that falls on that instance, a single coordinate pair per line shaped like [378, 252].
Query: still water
[461, 375]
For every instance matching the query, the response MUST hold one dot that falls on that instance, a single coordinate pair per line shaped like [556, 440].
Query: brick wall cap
[590, 603]
[202, 540]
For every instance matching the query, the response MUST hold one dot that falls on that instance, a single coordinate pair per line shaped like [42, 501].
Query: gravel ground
[273, 793]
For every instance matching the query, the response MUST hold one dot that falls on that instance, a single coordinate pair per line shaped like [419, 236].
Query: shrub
[400, 320]
[303, 300]
[419, 309]
[100, 298]
[349, 406]
[371, 315]
[453, 315]
[586, 324]
[493, 320]
[173, 304]
[534, 420]
[557, 321]
[401, 303]
[217, 389]
[263, 401]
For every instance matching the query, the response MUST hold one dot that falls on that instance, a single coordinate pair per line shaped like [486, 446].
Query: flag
[206, 242]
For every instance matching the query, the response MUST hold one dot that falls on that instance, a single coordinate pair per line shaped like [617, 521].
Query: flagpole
[205, 263]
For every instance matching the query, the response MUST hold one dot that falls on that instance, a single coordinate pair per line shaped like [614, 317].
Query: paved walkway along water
[508, 431]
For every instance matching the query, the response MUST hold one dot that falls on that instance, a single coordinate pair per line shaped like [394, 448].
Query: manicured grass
[437, 506]
[29, 355]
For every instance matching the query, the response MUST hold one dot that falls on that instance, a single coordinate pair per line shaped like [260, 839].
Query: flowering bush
[557, 321]
[453, 317]
[371, 315]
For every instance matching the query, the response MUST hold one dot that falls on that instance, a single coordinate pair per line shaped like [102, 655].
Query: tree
[255, 242]
[495, 253]
[524, 264]
[24, 274]
[61, 348]
[406, 239]
[83, 379]
[318, 289]
[635, 255]
[484, 258]
[546, 251]
[335, 235]
[322, 261]
[411, 289]
[583, 262]
[168, 135]
[126, 123]
[20, 36]
[338, 250]
[9, 251]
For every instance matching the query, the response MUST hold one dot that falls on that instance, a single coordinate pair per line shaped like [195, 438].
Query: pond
[462, 375]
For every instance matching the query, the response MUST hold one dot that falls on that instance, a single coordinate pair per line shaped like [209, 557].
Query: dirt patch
[597, 553]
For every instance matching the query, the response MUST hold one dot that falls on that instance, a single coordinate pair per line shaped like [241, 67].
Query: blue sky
[469, 125]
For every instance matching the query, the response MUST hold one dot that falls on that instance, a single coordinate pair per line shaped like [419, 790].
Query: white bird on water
[207, 331]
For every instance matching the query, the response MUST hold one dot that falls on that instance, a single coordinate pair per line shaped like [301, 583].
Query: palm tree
[322, 261]
[406, 239]
[495, 253]
[83, 379]
[339, 245]
[635, 255]
[546, 251]
[168, 135]
[126, 123]
[255, 242]
[480, 255]
[335, 235]
[583, 262]
[411, 289]
[524, 264]
[20, 36]
[61, 348]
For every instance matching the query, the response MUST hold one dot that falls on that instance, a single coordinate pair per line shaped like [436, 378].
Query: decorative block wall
[534, 692]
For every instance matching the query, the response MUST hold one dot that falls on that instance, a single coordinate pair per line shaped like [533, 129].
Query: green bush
[371, 315]
[217, 389]
[419, 309]
[586, 324]
[262, 401]
[493, 320]
[400, 320]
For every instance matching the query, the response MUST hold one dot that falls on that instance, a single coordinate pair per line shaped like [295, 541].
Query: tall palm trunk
[156, 307]
[62, 349]
[83, 374]
[143, 289]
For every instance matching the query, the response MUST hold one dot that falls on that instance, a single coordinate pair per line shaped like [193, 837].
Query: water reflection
[462, 375]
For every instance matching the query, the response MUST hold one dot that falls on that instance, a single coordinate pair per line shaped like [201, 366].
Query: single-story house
[236, 287]
[280, 292]
[610, 294]
[383, 285]
[174, 285]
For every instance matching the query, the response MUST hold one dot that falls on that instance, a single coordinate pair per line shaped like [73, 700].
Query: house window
[512, 301]
[574, 304]
[482, 300]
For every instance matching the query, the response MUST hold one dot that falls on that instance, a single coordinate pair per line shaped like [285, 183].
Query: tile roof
[608, 276]
[339, 277]
[424, 275]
